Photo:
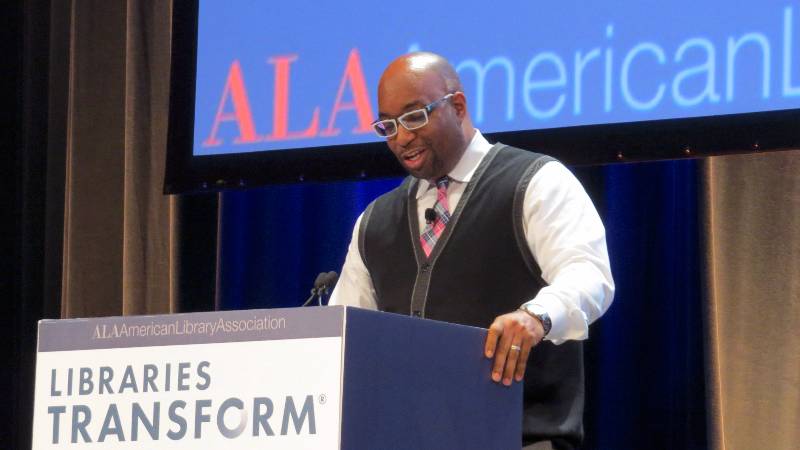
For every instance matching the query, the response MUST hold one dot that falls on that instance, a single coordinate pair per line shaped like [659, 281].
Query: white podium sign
[233, 380]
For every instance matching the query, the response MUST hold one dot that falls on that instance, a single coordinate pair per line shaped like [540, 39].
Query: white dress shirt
[563, 231]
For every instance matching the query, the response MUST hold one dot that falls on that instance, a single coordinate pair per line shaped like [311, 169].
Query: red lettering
[280, 108]
[234, 87]
[355, 76]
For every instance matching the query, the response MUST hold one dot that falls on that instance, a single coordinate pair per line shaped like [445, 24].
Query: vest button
[425, 268]
[417, 313]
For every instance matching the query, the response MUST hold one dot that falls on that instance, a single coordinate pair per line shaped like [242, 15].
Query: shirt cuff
[562, 320]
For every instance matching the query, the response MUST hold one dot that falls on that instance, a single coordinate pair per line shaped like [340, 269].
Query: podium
[302, 378]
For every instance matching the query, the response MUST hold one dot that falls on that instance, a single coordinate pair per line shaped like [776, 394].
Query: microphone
[333, 277]
[324, 281]
[430, 215]
[322, 285]
[321, 280]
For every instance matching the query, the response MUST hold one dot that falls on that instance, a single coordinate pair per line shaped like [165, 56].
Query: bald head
[423, 64]
[412, 82]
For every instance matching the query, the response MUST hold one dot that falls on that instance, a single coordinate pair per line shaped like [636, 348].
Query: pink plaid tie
[434, 229]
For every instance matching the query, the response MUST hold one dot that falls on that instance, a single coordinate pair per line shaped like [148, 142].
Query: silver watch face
[540, 313]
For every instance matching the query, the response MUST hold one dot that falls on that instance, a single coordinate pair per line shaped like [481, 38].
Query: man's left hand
[510, 339]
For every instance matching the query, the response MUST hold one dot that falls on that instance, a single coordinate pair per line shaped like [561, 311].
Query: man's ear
[459, 102]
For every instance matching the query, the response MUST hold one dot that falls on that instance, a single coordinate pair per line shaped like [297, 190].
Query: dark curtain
[33, 87]
[275, 240]
[645, 367]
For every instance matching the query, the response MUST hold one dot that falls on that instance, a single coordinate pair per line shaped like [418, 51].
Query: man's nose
[404, 136]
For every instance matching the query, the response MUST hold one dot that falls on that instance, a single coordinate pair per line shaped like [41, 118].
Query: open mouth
[413, 155]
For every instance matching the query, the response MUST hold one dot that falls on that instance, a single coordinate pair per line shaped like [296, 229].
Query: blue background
[322, 34]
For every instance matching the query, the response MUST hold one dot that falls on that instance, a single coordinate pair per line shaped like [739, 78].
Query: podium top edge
[190, 328]
[182, 314]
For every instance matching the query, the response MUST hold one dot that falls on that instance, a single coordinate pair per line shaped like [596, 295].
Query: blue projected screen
[301, 74]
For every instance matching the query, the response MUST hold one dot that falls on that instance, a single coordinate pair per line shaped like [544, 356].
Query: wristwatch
[538, 313]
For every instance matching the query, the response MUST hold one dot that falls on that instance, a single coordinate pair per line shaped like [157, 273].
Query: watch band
[541, 316]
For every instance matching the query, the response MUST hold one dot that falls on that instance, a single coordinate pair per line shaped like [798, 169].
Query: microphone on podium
[322, 285]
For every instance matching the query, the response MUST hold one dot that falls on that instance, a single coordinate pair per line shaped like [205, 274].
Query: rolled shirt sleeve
[567, 239]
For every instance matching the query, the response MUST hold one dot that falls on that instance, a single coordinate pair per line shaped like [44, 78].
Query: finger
[495, 330]
[513, 357]
[501, 354]
[522, 363]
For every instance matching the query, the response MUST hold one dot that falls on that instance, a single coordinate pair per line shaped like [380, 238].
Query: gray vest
[480, 268]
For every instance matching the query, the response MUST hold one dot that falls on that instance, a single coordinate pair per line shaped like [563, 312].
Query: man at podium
[483, 235]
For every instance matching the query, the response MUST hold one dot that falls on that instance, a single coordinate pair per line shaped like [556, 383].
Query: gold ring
[516, 347]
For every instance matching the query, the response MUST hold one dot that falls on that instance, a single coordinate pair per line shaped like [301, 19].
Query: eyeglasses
[411, 120]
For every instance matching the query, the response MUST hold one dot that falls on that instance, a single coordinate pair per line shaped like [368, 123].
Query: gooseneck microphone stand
[322, 286]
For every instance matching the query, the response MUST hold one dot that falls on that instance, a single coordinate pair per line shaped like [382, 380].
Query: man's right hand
[510, 339]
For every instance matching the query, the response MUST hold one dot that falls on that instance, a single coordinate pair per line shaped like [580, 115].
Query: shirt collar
[477, 148]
